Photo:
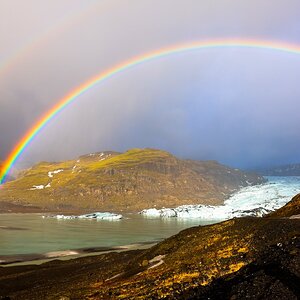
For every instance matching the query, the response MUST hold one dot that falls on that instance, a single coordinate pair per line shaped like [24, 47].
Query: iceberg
[257, 201]
[91, 216]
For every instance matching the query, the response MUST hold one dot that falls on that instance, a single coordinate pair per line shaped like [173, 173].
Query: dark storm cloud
[236, 106]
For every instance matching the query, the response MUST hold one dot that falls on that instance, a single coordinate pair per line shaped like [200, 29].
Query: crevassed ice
[249, 201]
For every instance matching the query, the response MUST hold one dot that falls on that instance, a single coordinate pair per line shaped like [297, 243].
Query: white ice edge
[249, 201]
[91, 216]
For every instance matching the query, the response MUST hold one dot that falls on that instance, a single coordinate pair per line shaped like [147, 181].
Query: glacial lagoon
[33, 234]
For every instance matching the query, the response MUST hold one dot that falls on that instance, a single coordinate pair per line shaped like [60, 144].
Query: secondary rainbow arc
[74, 94]
[73, 17]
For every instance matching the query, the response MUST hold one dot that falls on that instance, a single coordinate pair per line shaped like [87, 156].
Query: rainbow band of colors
[73, 95]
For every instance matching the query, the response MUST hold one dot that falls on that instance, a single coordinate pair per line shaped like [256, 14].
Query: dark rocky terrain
[286, 170]
[244, 258]
[130, 181]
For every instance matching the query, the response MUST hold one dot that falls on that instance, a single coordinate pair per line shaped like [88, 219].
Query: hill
[286, 170]
[246, 258]
[130, 181]
[292, 208]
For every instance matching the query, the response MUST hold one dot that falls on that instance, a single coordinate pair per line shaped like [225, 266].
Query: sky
[238, 106]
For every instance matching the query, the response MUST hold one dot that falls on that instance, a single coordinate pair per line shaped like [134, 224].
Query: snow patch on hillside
[37, 187]
[51, 173]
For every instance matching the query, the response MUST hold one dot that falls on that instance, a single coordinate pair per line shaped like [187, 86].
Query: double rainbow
[70, 19]
[74, 94]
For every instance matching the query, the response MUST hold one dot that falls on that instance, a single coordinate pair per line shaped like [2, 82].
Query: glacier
[255, 200]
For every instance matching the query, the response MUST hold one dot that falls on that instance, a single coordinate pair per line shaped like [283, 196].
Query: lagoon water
[30, 233]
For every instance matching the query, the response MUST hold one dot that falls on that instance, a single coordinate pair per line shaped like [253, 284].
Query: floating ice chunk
[101, 216]
[51, 173]
[96, 216]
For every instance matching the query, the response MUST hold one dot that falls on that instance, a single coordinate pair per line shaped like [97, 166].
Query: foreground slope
[255, 258]
[291, 209]
[132, 181]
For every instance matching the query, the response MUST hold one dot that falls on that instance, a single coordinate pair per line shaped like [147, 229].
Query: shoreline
[145, 273]
[70, 254]
[10, 208]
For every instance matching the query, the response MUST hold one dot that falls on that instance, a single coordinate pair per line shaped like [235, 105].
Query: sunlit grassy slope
[134, 180]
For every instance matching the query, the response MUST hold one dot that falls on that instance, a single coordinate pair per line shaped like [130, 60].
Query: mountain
[244, 258]
[286, 170]
[130, 181]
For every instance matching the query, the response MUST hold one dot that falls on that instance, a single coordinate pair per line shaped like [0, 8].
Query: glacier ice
[95, 215]
[255, 200]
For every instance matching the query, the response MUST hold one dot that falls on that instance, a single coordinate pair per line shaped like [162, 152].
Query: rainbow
[160, 53]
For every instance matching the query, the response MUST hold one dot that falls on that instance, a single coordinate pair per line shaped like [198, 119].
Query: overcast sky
[238, 106]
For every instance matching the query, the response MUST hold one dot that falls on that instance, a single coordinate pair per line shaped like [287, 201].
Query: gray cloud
[238, 106]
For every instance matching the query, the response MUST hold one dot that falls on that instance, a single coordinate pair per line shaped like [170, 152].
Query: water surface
[30, 233]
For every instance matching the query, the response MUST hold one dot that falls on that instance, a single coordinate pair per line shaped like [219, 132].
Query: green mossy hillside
[130, 181]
